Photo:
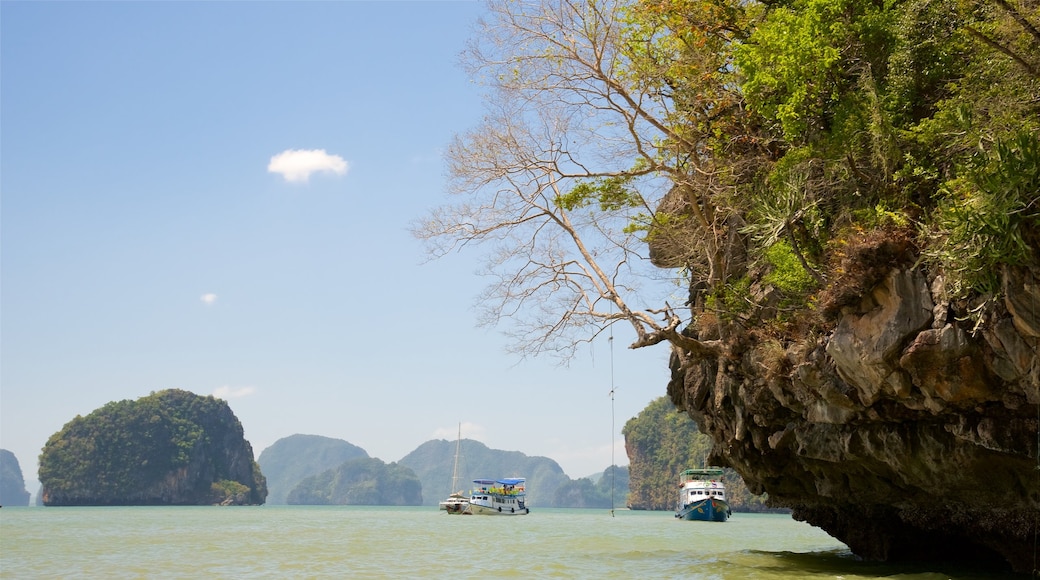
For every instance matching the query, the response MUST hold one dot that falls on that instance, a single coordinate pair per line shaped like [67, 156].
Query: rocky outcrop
[908, 430]
[169, 448]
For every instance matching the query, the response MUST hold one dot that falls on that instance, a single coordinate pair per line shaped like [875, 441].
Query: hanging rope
[1036, 382]
[613, 464]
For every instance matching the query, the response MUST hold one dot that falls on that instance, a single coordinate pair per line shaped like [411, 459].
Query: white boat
[702, 496]
[457, 501]
[498, 497]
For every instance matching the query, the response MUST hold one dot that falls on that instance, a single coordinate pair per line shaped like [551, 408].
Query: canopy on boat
[707, 472]
[510, 481]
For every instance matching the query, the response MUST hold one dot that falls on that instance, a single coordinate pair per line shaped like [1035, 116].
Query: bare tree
[564, 178]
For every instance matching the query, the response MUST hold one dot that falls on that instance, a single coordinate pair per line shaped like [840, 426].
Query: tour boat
[702, 496]
[498, 497]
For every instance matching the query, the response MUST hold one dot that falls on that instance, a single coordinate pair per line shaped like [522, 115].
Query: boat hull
[480, 510]
[456, 508]
[454, 505]
[705, 510]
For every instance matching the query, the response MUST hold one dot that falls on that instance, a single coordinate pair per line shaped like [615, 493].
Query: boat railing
[501, 490]
[707, 474]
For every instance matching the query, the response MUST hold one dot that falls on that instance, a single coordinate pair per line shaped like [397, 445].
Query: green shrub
[986, 215]
[788, 275]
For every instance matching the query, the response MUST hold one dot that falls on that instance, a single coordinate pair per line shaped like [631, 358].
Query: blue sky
[152, 238]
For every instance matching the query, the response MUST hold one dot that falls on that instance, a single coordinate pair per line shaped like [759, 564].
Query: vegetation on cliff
[12, 484]
[780, 156]
[361, 481]
[802, 166]
[661, 442]
[170, 448]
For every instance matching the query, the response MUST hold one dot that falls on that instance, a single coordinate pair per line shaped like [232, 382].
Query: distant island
[360, 481]
[307, 469]
[172, 447]
[12, 485]
[292, 459]
[312, 470]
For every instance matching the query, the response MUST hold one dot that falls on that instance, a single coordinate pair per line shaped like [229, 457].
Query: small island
[172, 447]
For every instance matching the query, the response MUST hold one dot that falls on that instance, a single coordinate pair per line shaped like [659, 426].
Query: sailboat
[457, 502]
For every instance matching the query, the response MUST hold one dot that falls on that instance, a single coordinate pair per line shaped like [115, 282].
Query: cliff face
[170, 448]
[906, 431]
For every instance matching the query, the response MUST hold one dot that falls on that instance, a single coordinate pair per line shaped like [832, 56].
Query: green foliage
[795, 64]
[928, 53]
[987, 214]
[731, 300]
[226, 490]
[787, 223]
[609, 193]
[880, 216]
[788, 274]
[683, 49]
[891, 114]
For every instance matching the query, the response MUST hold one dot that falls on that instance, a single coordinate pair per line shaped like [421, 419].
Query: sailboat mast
[455, 471]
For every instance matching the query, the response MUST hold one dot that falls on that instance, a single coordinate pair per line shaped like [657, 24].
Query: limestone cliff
[906, 429]
[169, 448]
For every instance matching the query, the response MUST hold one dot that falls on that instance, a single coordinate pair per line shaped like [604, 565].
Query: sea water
[413, 542]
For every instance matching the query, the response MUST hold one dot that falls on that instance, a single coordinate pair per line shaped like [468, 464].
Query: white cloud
[297, 165]
[209, 298]
[228, 392]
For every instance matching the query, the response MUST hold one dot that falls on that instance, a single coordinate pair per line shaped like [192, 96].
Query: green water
[386, 542]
